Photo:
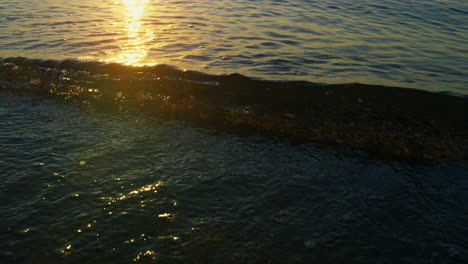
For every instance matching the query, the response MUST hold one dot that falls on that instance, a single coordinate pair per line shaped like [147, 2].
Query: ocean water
[233, 131]
[109, 187]
[405, 43]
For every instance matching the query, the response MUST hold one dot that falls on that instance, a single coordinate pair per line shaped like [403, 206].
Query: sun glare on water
[134, 51]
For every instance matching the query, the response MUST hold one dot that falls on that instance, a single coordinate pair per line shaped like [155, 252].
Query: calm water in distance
[407, 43]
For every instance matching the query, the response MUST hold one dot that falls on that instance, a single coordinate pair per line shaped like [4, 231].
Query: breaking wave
[393, 121]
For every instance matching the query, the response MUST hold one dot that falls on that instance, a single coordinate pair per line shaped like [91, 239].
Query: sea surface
[405, 43]
[109, 187]
[233, 131]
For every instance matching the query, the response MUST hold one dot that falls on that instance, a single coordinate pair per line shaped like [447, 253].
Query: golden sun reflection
[134, 51]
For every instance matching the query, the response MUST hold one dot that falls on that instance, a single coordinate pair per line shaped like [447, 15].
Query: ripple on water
[149, 33]
[122, 185]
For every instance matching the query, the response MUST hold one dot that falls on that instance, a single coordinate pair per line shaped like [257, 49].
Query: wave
[390, 121]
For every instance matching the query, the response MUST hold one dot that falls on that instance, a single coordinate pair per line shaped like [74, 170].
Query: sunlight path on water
[135, 50]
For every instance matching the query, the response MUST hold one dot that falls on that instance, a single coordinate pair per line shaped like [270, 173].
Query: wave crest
[384, 120]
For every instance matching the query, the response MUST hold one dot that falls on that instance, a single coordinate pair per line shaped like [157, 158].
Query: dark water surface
[406, 43]
[86, 186]
[112, 157]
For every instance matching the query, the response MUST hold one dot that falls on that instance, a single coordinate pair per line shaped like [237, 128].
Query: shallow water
[81, 185]
[392, 42]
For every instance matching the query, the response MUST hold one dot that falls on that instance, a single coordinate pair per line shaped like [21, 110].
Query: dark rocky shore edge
[385, 121]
